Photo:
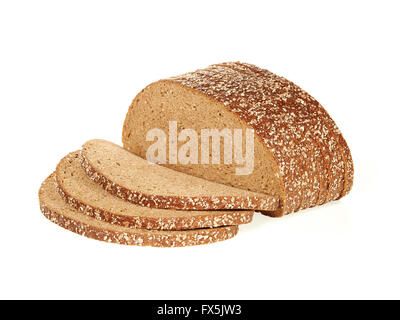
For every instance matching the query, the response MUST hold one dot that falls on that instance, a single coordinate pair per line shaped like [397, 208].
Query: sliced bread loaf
[57, 211]
[299, 152]
[138, 181]
[77, 189]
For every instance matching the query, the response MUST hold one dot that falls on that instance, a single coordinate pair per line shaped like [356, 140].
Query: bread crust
[89, 227]
[311, 179]
[325, 133]
[348, 161]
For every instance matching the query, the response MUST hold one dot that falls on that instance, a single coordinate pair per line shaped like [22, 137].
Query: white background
[68, 72]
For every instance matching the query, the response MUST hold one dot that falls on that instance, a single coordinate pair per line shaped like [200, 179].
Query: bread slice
[57, 211]
[77, 189]
[292, 131]
[138, 181]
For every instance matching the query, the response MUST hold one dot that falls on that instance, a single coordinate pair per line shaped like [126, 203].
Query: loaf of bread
[136, 180]
[300, 156]
[59, 212]
[281, 152]
[78, 190]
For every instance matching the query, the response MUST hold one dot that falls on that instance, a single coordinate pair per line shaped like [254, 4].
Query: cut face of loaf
[140, 182]
[59, 212]
[299, 154]
[77, 189]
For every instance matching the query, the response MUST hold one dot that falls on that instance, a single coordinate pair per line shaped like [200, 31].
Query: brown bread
[57, 211]
[77, 189]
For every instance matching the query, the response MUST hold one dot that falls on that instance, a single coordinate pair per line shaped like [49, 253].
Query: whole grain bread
[138, 181]
[77, 189]
[59, 212]
[310, 181]
[327, 135]
[300, 155]
[321, 148]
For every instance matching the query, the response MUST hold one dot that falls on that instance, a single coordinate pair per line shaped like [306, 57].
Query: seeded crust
[329, 139]
[105, 163]
[311, 158]
[78, 190]
[311, 179]
[57, 211]
[325, 146]
[348, 160]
